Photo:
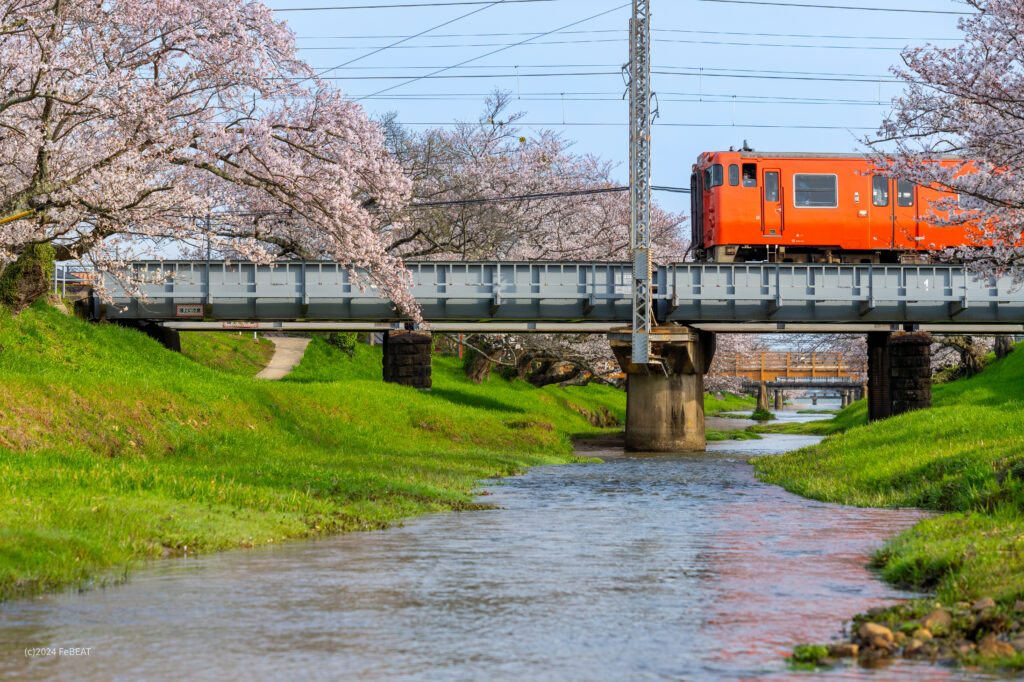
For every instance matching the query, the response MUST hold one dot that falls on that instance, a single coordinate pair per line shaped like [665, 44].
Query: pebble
[990, 647]
[937, 618]
[983, 604]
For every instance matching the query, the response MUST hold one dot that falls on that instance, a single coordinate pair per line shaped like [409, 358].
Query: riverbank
[114, 450]
[963, 457]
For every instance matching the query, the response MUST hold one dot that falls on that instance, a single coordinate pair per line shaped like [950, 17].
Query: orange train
[818, 208]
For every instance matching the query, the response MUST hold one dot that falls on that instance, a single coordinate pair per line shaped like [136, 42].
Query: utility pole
[640, 176]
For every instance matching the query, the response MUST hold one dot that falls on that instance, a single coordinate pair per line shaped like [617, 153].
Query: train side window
[815, 190]
[904, 193]
[750, 175]
[771, 186]
[879, 190]
[734, 175]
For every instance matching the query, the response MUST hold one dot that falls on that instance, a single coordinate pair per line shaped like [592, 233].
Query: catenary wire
[396, 6]
[846, 7]
[492, 52]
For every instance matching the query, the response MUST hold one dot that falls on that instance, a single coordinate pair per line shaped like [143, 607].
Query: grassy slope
[729, 403]
[965, 456]
[113, 449]
[234, 353]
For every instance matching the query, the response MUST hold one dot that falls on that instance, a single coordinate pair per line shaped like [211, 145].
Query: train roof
[753, 154]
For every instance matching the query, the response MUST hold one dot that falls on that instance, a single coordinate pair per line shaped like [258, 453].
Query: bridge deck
[584, 296]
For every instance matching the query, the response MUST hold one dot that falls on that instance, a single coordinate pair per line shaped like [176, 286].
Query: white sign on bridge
[188, 310]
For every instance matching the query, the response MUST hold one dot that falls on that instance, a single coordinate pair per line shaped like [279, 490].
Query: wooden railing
[770, 366]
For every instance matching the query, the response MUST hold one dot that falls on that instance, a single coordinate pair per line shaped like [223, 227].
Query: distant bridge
[791, 369]
[572, 296]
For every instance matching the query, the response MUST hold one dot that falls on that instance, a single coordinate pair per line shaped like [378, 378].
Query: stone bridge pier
[407, 358]
[899, 373]
[665, 399]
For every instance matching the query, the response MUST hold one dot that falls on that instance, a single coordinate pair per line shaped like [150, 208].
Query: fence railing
[773, 365]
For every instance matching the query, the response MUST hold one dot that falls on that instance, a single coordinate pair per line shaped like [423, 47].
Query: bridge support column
[879, 399]
[845, 398]
[407, 359]
[910, 373]
[762, 397]
[779, 399]
[665, 399]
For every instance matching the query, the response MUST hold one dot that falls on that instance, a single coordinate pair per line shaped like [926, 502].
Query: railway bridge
[895, 305]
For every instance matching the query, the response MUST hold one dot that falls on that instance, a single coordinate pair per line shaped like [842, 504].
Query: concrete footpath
[288, 352]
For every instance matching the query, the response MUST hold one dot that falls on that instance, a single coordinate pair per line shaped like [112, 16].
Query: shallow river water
[660, 568]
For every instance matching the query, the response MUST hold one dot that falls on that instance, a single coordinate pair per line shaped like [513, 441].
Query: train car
[817, 208]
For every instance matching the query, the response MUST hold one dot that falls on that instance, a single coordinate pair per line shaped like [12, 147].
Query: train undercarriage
[761, 253]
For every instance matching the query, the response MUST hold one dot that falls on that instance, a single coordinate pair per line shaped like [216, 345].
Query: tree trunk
[27, 279]
[1003, 347]
[478, 363]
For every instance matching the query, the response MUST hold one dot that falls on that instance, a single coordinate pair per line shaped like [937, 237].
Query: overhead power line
[397, 6]
[622, 31]
[592, 41]
[501, 49]
[421, 33]
[464, 76]
[521, 197]
[660, 124]
[846, 7]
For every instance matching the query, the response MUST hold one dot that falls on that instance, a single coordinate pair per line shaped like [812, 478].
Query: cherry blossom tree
[967, 101]
[493, 158]
[124, 124]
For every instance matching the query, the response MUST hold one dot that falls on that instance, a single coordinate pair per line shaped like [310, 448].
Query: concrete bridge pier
[779, 399]
[665, 399]
[407, 358]
[845, 398]
[762, 397]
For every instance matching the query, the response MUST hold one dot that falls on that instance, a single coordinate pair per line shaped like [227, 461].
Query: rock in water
[870, 632]
[843, 650]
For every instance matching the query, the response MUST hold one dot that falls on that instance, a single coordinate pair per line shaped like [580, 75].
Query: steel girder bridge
[578, 297]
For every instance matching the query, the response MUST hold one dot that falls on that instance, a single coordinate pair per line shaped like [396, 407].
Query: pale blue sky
[587, 60]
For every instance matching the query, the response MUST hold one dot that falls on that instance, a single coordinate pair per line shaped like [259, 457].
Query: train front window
[750, 175]
[734, 175]
[717, 175]
[904, 193]
[815, 190]
[880, 190]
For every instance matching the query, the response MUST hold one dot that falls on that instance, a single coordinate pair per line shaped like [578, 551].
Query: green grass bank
[963, 457]
[114, 450]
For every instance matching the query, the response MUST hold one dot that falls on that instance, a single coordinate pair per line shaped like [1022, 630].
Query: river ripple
[679, 568]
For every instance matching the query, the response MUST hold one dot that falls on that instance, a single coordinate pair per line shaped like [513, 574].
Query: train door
[771, 203]
[904, 215]
[895, 202]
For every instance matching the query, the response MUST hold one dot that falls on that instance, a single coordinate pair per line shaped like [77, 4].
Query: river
[641, 568]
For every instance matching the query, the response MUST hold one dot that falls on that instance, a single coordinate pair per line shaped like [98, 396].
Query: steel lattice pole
[640, 176]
